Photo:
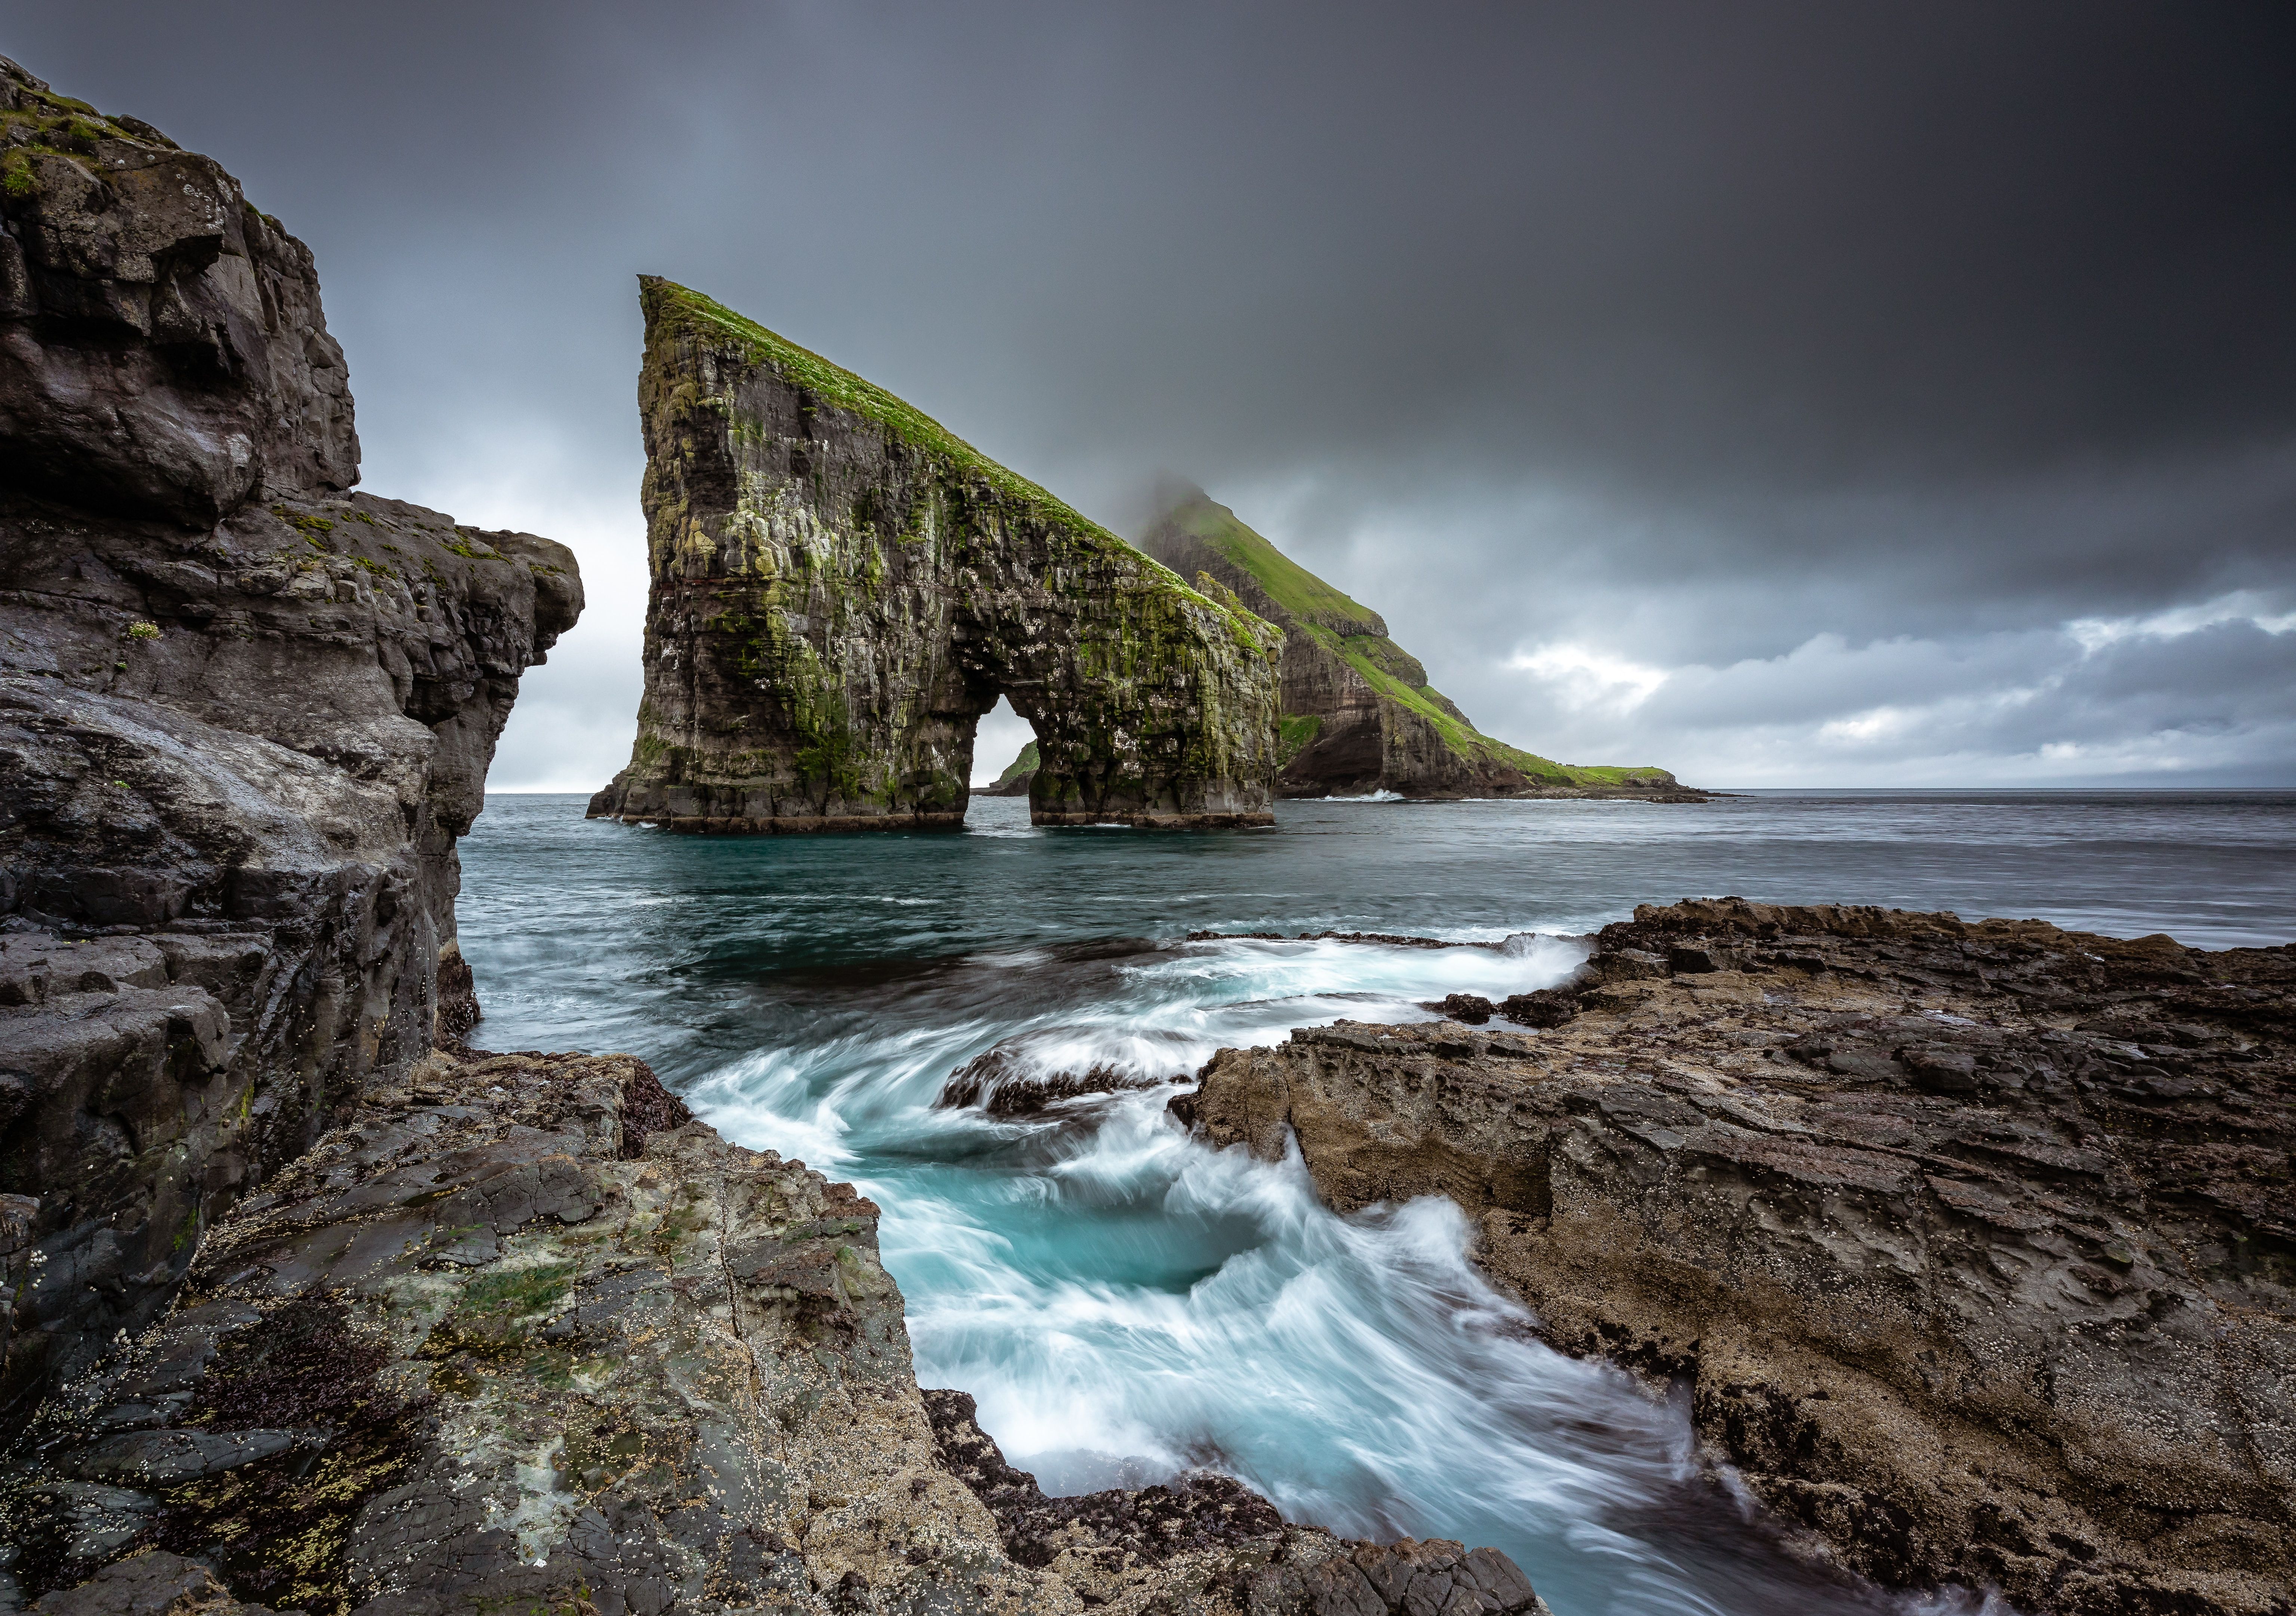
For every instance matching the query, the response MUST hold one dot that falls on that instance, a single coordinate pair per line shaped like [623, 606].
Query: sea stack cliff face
[244, 714]
[1972, 1243]
[1357, 713]
[841, 588]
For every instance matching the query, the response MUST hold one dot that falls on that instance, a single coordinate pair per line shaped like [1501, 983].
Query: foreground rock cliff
[1357, 712]
[244, 714]
[523, 1336]
[1973, 1243]
[841, 588]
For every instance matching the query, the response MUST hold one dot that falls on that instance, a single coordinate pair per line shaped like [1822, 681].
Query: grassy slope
[1023, 763]
[1345, 627]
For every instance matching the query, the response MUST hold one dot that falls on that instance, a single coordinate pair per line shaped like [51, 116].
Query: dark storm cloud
[1680, 336]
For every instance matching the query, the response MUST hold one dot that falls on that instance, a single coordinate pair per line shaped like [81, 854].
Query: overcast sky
[1833, 394]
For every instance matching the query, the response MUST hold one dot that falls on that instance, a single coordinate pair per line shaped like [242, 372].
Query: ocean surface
[1126, 1304]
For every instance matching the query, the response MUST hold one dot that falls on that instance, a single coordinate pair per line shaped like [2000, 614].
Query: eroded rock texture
[243, 717]
[1973, 1241]
[1358, 714]
[522, 1335]
[841, 588]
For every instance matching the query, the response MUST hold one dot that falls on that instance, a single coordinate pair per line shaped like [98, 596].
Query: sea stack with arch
[842, 587]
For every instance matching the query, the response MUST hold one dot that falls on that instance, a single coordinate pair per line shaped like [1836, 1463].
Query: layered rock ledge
[523, 1335]
[1972, 1243]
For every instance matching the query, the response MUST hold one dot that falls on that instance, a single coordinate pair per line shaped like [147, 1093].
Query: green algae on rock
[841, 588]
[1358, 714]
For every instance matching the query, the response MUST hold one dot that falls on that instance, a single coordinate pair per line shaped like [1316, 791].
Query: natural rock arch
[840, 588]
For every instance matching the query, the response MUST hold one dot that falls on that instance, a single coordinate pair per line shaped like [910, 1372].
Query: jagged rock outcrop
[841, 588]
[243, 717]
[523, 1335]
[1358, 715]
[1974, 1242]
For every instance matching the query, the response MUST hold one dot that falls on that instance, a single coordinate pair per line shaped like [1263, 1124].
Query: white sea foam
[1126, 1303]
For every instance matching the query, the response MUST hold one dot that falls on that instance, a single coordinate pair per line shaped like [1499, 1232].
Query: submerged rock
[841, 588]
[1004, 1082]
[1974, 1242]
[243, 717]
[1357, 713]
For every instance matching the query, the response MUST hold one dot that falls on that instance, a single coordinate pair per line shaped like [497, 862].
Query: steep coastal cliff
[1357, 712]
[841, 588]
[1972, 1243]
[244, 717]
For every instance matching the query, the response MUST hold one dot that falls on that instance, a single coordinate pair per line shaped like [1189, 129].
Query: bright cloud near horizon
[1783, 394]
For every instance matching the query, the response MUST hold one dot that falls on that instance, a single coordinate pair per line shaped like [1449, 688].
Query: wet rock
[1211, 1542]
[155, 1458]
[840, 589]
[1961, 1277]
[1004, 1082]
[1547, 1007]
[1470, 1008]
[244, 716]
[151, 1584]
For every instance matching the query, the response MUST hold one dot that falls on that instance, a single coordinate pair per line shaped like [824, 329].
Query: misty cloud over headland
[1780, 393]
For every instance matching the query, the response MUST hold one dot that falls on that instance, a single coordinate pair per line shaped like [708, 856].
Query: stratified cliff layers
[841, 588]
[244, 717]
[1358, 715]
[1973, 1243]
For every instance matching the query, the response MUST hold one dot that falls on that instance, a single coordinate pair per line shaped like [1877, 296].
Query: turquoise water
[1125, 1304]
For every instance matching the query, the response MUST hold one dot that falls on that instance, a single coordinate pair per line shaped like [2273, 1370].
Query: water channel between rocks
[1125, 1304]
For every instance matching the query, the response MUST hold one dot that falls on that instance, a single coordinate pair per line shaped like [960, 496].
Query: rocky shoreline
[1971, 1242]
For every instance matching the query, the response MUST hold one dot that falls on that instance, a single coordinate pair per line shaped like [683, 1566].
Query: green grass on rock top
[1354, 632]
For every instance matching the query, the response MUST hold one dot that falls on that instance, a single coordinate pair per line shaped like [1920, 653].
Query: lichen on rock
[842, 587]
